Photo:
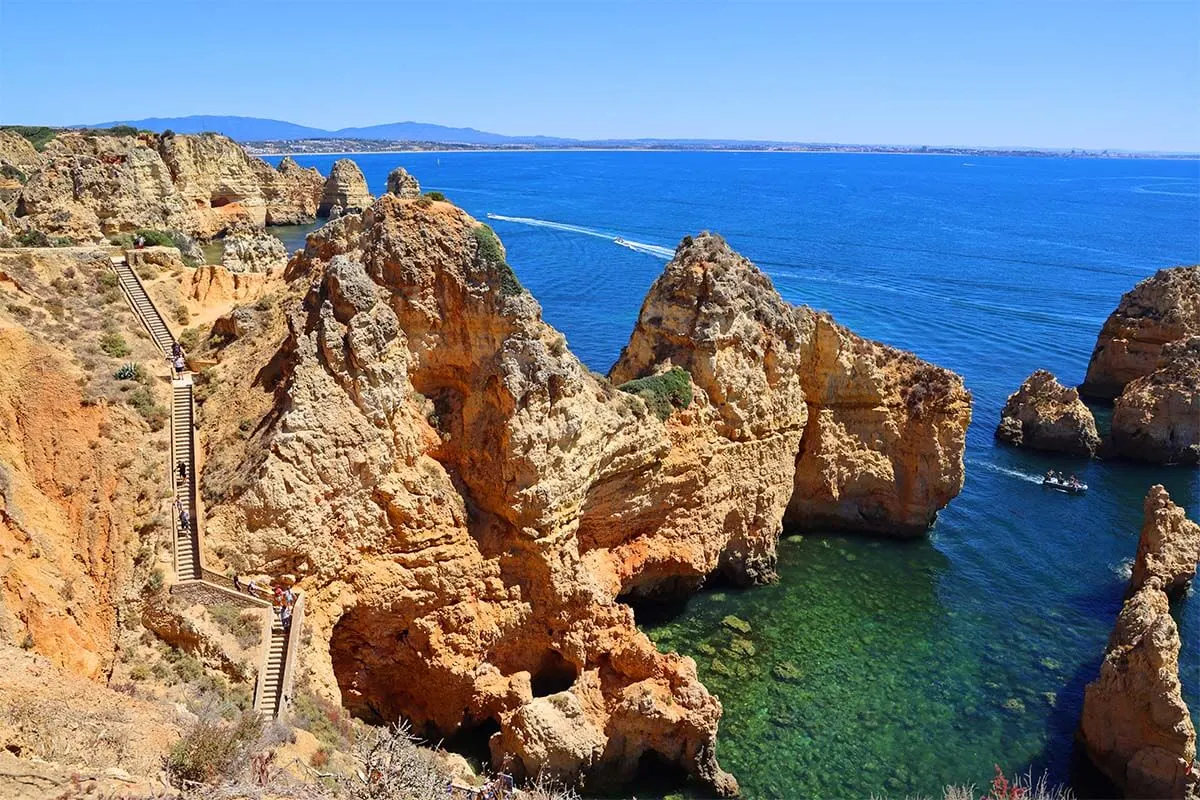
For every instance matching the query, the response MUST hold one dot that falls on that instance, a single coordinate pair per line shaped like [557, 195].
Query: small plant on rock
[113, 344]
[663, 393]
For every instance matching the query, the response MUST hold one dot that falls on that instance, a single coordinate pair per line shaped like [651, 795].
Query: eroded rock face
[1169, 545]
[1045, 415]
[465, 502]
[1163, 308]
[872, 436]
[1135, 725]
[294, 194]
[250, 250]
[16, 151]
[345, 188]
[1157, 417]
[401, 184]
[89, 186]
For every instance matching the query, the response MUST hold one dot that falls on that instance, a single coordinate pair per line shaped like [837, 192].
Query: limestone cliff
[250, 250]
[1045, 415]
[1169, 545]
[345, 188]
[401, 184]
[1163, 308]
[90, 186]
[1135, 725]
[464, 502]
[872, 436]
[1157, 416]
[79, 506]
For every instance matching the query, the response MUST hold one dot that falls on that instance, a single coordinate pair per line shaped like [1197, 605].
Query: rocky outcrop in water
[90, 186]
[1045, 415]
[1163, 308]
[251, 250]
[1169, 545]
[1135, 726]
[1157, 416]
[464, 502]
[345, 188]
[401, 184]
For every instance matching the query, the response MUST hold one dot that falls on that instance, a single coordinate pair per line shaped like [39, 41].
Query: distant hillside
[255, 129]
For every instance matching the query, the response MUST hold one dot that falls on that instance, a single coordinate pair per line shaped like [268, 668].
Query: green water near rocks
[865, 670]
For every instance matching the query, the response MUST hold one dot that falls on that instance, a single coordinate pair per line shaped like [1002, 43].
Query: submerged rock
[1045, 415]
[1163, 308]
[1168, 547]
[1157, 416]
[736, 624]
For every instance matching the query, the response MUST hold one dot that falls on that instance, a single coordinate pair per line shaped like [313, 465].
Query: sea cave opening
[555, 674]
[471, 741]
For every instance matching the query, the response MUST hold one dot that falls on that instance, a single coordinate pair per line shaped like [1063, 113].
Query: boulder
[345, 187]
[1163, 308]
[1169, 545]
[1157, 416]
[401, 184]
[1135, 726]
[1045, 415]
[251, 250]
[155, 258]
[551, 737]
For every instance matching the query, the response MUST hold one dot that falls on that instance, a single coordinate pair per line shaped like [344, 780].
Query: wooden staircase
[272, 694]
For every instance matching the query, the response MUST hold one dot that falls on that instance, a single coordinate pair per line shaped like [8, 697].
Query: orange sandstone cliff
[465, 503]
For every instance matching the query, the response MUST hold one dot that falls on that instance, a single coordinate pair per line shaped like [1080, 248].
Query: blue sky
[1051, 74]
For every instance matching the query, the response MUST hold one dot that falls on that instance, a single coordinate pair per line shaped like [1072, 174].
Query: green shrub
[663, 393]
[32, 238]
[424, 202]
[108, 280]
[114, 345]
[142, 400]
[12, 173]
[329, 723]
[115, 130]
[213, 749]
[435, 196]
[182, 315]
[140, 672]
[190, 338]
[132, 371]
[245, 628]
[491, 253]
[37, 135]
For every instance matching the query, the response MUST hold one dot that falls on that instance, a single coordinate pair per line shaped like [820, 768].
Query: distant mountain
[255, 129]
[243, 129]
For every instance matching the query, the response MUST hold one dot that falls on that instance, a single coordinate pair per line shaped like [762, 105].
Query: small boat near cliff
[1065, 486]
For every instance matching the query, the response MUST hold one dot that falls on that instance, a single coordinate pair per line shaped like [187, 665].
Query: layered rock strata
[1157, 416]
[1163, 308]
[1045, 415]
[465, 502]
[345, 188]
[1135, 726]
[90, 186]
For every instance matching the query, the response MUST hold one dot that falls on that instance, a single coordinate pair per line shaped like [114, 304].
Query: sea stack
[1045, 415]
[345, 188]
[1157, 416]
[1163, 308]
[1135, 725]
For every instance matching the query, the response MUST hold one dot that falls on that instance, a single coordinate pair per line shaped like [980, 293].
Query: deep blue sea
[880, 666]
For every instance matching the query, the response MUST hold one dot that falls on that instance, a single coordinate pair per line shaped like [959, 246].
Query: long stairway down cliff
[272, 692]
[142, 306]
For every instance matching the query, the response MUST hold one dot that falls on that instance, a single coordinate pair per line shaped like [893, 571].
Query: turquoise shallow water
[880, 666]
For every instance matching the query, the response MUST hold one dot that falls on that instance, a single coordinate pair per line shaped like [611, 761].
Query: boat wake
[1012, 473]
[638, 247]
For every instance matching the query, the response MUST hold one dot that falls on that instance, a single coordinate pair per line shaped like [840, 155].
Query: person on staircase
[180, 365]
[182, 469]
[185, 519]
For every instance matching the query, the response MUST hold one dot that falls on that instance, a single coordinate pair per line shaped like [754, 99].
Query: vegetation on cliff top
[663, 393]
[37, 135]
[491, 253]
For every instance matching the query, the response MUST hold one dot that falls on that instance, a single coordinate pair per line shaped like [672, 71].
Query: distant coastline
[348, 147]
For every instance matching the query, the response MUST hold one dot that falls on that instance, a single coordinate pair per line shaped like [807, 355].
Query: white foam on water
[637, 247]
[1024, 476]
[1123, 569]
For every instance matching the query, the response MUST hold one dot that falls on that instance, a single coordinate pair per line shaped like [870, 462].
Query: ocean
[878, 666]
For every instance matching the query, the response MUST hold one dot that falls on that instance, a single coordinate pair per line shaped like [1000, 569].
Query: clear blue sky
[1065, 74]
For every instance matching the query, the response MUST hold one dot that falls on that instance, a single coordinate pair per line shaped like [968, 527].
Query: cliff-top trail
[471, 513]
